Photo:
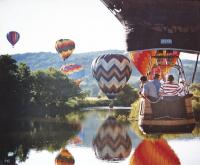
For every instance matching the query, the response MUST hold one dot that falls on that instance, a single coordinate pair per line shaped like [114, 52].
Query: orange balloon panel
[165, 60]
[142, 60]
[150, 62]
[154, 152]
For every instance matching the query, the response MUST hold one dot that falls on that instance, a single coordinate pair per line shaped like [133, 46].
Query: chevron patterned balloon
[112, 143]
[112, 71]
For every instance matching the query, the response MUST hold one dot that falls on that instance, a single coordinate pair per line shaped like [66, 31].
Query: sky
[42, 22]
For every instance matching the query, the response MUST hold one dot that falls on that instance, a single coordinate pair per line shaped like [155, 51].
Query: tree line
[39, 93]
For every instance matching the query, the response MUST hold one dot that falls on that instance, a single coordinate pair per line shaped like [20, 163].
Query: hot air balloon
[112, 71]
[73, 71]
[154, 152]
[112, 143]
[64, 158]
[151, 62]
[13, 37]
[162, 116]
[65, 47]
[152, 26]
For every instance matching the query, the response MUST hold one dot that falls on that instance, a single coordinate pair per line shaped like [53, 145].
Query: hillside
[44, 60]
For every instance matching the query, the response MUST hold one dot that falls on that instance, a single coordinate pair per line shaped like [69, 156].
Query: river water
[41, 143]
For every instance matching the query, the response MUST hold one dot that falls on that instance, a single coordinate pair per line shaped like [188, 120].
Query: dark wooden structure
[158, 24]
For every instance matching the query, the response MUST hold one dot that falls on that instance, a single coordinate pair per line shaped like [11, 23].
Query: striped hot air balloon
[73, 71]
[70, 68]
[154, 152]
[13, 37]
[112, 143]
[112, 71]
[65, 47]
[150, 62]
[64, 158]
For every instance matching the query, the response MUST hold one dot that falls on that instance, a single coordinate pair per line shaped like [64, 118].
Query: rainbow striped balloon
[65, 48]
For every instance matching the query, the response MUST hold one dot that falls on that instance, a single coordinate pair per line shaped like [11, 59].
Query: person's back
[170, 88]
[150, 91]
[157, 83]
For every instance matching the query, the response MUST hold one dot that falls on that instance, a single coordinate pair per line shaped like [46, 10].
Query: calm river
[32, 143]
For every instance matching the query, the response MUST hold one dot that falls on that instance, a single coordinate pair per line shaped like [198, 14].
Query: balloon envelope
[70, 68]
[65, 47]
[112, 71]
[73, 71]
[13, 37]
[150, 62]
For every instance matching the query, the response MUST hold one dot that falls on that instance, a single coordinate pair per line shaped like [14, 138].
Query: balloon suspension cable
[195, 68]
[111, 105]
[149, 67]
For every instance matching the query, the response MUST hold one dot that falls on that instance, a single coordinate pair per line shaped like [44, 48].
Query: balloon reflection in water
[78, 139]
[154, 152]
[112, 143]
[64, 158]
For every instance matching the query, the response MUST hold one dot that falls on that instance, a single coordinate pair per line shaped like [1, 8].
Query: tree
[52, 89]
[14, 86]
[8, 85]
[127, 96]
[25, 84]
[195, 89]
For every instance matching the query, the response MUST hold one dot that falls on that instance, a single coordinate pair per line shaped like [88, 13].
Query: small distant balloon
[65, 47]
[73, 71]
[13, 37]
[70, 68]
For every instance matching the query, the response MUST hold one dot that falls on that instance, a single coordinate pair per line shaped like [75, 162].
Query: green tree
[127, 96]
[195, 89]
[25, 84]
[52, 89]
[8, 82]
